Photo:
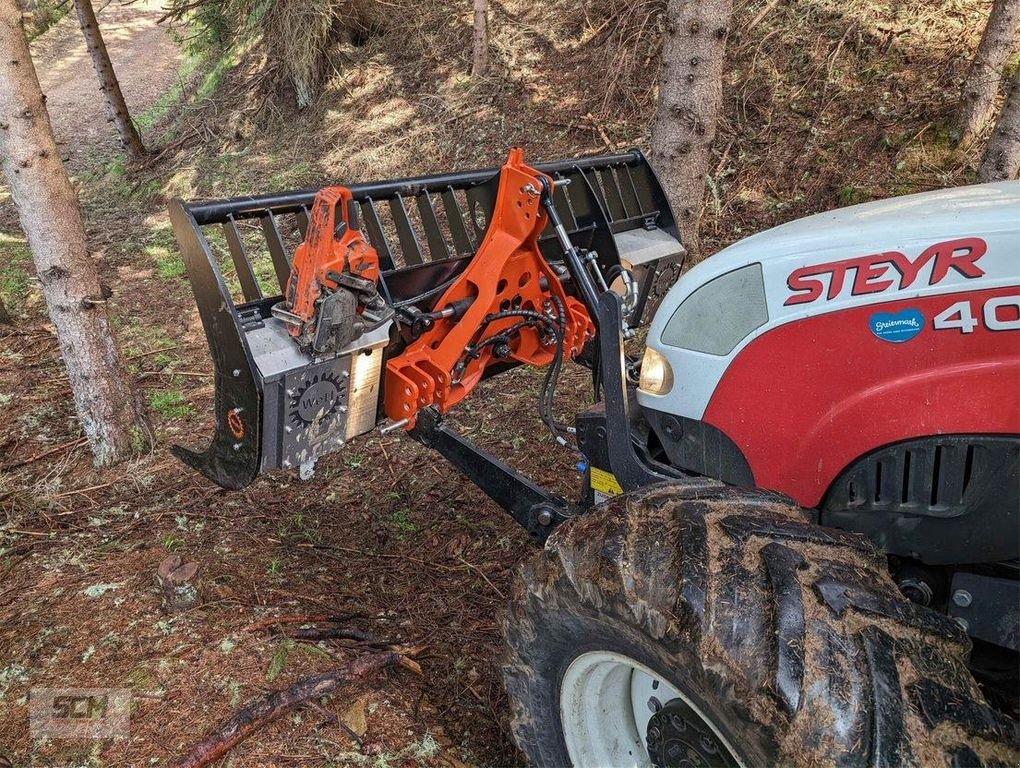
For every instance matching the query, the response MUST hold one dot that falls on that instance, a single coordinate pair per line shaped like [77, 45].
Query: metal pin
[385, 429]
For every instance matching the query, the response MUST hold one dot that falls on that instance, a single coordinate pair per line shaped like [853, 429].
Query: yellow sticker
[605, 482]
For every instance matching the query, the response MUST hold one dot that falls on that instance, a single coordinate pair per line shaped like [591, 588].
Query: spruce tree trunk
[104, 398]
[1002, 155]
[108, 83]
[690, 98]
[985, 75]
[480, 39]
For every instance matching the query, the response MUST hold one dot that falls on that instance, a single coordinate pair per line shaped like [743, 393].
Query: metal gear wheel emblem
[317, 399]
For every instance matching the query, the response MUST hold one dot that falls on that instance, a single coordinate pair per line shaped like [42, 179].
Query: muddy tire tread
[722, 576]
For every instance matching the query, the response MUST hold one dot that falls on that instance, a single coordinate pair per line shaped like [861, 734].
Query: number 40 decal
[960, 316]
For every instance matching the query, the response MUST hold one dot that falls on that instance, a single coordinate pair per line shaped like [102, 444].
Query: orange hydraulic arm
[508, 304]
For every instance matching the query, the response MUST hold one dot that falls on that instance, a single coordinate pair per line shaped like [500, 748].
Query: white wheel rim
[605, 708]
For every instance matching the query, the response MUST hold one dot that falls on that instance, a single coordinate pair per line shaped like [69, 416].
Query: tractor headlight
[656, 373]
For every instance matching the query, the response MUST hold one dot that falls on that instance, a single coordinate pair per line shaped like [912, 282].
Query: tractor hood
[908, 247]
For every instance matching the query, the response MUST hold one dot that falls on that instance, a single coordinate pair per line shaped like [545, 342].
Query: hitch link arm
[537, 510]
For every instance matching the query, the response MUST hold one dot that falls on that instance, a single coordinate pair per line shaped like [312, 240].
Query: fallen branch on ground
[63, 446]
[269, 708]
[315, 634]
[303, 619]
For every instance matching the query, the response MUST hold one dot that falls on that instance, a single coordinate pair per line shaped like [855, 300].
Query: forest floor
[828, 103]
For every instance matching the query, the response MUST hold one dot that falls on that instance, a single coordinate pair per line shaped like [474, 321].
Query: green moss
[169, 265]
[15, 258]
[171, 404]
[401, 521]
[217, 72]
[139, 440]
[852, 195]
[1012, 65]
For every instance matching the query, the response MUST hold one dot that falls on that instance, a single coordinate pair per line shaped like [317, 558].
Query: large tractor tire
[681, 627]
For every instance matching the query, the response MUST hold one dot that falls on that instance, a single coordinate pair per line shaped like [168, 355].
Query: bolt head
[962, 598]
[236, 372]
[544, 517]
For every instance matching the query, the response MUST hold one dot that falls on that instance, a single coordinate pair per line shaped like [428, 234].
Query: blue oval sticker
[897, 327]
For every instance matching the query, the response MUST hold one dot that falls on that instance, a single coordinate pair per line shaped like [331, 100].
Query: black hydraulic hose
[547, 394]
[531, 319]
[427, 294]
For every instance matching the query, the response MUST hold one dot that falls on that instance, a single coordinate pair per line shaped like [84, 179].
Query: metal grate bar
[409, 244]
[630, 188]
[481, 202]
[600, 194]
[376, 233]
[245, 275]
[281, 264]
[438, 249]
[615, 193]
[455, 216]
[561, 198]
[302, 222]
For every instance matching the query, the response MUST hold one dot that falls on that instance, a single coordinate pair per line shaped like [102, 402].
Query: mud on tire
[790, 637]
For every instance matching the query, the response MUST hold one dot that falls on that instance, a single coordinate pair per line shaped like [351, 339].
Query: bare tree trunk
[690, 98]
[104, 399]
[1002, 155]
[982, 84]
[108, 84]
[480, 39]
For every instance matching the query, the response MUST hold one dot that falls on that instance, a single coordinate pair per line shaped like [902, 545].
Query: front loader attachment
[280, 404]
